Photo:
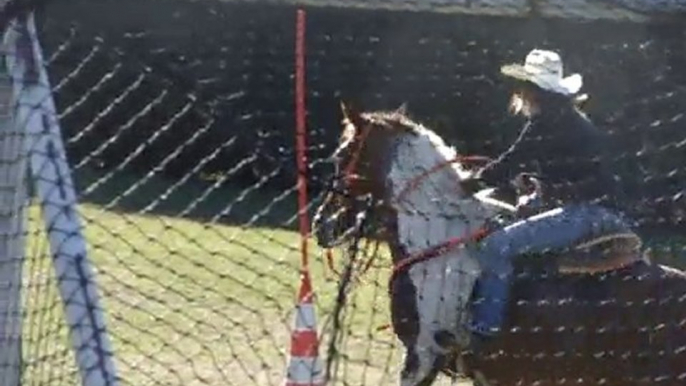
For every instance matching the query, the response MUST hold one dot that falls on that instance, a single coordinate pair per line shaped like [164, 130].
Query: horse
[618, 322]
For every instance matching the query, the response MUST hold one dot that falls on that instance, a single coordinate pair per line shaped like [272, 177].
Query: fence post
[13, 200]
[50, 173]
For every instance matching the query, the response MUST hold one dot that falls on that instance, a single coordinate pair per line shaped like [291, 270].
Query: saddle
[604, 253]
[601, 253]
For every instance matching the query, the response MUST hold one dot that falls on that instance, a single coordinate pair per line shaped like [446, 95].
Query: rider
[562, 148]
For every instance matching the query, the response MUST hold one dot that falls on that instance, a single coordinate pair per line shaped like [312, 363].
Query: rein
[453, 242]
[416, 181]
[436, 250]
[426, 254]
[349, 171]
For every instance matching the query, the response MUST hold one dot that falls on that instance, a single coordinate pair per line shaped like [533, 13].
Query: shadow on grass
[208, 201]
[228, 203]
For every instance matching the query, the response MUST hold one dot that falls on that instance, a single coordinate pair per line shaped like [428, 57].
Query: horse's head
[385, 163]
[361, 165]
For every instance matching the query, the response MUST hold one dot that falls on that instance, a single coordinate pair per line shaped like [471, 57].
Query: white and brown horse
[619, 324]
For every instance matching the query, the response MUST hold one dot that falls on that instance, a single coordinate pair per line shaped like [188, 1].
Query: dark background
[225, 73]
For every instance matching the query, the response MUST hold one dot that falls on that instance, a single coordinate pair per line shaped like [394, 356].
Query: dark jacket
[567, 152]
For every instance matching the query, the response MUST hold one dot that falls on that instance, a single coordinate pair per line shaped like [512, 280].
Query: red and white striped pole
[305, 367]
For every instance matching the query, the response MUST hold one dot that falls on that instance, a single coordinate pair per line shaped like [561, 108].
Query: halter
[349, 170]
[433, 251]
[347, 177]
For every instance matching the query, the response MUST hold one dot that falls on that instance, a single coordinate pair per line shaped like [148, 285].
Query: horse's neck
[433, 208]
[429, 214]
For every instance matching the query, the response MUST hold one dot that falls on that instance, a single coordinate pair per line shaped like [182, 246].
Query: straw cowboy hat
[544, 68]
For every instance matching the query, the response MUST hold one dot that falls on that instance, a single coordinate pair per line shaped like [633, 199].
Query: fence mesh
[177, 119]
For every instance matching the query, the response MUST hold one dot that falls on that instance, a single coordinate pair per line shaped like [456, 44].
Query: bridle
[349, 176]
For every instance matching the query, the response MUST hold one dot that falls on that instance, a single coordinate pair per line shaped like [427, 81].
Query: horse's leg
[480, 379]
[421, 366]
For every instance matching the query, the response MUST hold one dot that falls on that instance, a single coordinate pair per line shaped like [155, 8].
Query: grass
[196, 303]
[201, 300]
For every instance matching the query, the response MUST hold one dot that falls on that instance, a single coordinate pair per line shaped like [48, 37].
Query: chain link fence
[178, 123]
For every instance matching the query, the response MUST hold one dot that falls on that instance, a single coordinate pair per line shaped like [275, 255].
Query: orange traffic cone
[305, 367]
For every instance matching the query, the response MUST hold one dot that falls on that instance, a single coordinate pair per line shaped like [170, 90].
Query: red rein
[451, 243]
[424, 255]
[431, 252]
[435, 251]
[416, 181]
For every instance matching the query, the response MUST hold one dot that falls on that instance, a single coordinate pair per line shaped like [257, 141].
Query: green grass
[194, 300]
[193, 303]
[211, 198]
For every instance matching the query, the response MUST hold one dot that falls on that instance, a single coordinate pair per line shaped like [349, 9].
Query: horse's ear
[350, 113]
[350, 121]
[402, 109]
[349, 109]
[344, 110]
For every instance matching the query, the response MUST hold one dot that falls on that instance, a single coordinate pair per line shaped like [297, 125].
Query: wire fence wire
[177, 120]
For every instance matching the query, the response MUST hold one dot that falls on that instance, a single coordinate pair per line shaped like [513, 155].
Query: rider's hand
[526, 183]
[530, 195]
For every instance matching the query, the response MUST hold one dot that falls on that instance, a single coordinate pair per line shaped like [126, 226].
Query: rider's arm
[501, 171]
[579, 166]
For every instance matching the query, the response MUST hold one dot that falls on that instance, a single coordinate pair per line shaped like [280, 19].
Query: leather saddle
[606, 252]
[603, 253]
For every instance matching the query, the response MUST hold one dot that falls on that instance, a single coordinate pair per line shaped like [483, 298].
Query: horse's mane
[399, 121]
[425, 170]
[392, 119]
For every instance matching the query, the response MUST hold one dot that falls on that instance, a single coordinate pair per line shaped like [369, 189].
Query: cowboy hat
[544, 68]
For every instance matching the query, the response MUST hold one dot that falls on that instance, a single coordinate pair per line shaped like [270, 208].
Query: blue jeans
[554, 230]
